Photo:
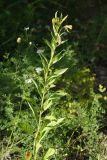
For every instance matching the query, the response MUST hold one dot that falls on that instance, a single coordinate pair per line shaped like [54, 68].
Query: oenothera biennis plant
[45, 82]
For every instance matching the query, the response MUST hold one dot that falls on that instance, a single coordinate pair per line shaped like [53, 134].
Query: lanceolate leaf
[56, 74]
[31, 109]
[44, 62]
[61, 93]
[46, 130]
[60, 120]
[64, 19]
[48, 43]
[58, 57]
[38, 146]
[47, 105]
[49, 153]
[60, 71]
[50, 117]
[54, 123]
[37, 87]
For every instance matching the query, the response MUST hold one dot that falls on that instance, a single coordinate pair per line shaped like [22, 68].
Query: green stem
[37, 138]
[37, 134]
[49, 65]
[38, 129]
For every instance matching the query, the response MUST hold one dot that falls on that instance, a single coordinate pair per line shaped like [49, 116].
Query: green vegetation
[52, 102]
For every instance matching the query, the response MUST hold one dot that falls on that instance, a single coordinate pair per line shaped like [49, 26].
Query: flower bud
[18, 40]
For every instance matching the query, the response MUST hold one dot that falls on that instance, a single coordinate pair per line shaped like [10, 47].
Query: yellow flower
[54, 21]
[101, 88]
[28, 155]
[19, 40]
[105, 98]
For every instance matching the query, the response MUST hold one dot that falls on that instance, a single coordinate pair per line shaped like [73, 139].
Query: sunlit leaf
[60, 120]
[50, 117]
[47, 105]
[58, 57]
[64, 19]
[52, 124]
[49, 153]
[60, 71]
[46, 130]
[61, 93]
[44, 62]
[38, 146]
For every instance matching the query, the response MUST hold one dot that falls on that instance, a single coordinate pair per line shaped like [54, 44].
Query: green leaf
[46, 129]
[50, 117]
[30, 100]
[47, 105]
[60, 71]
[56, 14]
[64, 19]
[60, 120]
[37, 87]
[49, 153]
[61, 93]
[50, 82]
[58, 57]
[48, 43]
[44, 62]
[52, 124]
[38, 146]
[54, 97]
[54, 32]
[31, 108]
[57, 73]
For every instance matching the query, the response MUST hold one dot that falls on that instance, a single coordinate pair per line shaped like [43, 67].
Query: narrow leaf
[37, 87]
[61, 93]
[60, 120]
[49, 153]
[58, 57]
[44, 62]
[52, 124]
[38, 146]
[48, 43]
[50, 117]
[46, 129]
[31, 109]
[60, 71]
[64, 19]
[47, 105]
